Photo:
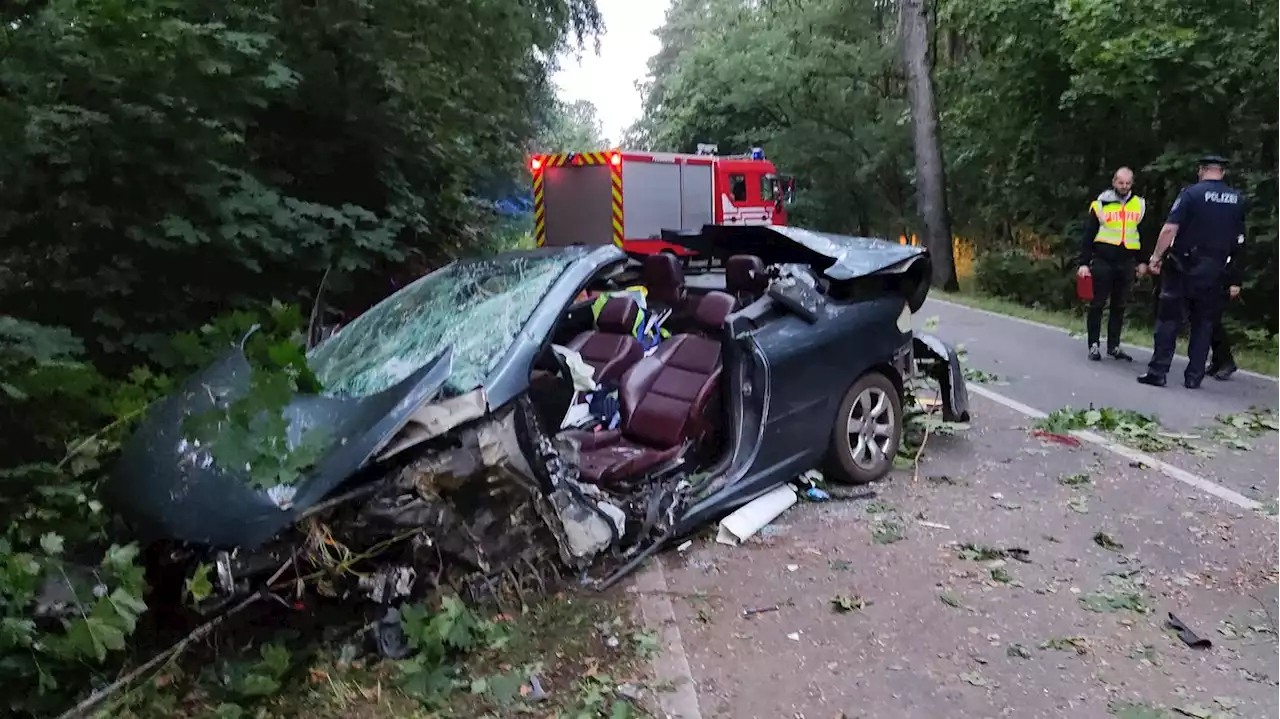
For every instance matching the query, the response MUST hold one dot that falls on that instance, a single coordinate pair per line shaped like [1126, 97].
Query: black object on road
[1188, 637]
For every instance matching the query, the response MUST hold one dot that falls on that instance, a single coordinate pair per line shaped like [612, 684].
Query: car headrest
[745, 273]
[618, 316]
[662, 270]
[713, 308]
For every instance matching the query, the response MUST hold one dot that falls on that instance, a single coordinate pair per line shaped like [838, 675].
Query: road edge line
[1176, 473]
[670, 667]
[1042, 325]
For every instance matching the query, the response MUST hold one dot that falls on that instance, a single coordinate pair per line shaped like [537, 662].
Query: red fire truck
[629, 197]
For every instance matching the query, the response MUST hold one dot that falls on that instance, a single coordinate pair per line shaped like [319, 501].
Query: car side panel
[810, 368]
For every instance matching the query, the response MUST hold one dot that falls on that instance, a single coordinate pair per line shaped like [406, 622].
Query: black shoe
[1154, 380]
[1119, 354]
[1095, 354]
[1190, 383]
[1224, 372]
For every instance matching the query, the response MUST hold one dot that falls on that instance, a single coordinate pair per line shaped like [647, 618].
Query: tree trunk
[931, 188]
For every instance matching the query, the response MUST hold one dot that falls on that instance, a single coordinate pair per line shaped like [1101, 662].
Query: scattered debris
[999, 574]
[1194, 710]
[974, 679]
[1135, 429]
[1079, 645]
[685, 545]
[1255, 420]
[1079, 479]
[1125, 710]
[1056, 437]
[1079, 505]
[950, 600]
[980, 553]
[794, 636]
[849, 603]
[1018, 651]
[749, 518]
[934, 525]
[1106, 541]
[888, 532]
[759, 610]
[1187, 636]
[839, 565]
[1125, 596]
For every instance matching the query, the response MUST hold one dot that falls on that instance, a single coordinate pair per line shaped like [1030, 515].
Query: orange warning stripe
[539, 212]
[615, 175]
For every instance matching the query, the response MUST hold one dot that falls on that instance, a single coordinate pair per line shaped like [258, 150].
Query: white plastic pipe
[750, 517]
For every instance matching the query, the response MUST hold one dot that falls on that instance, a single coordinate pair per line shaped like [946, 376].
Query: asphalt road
[1077, 630]
[1046, 367]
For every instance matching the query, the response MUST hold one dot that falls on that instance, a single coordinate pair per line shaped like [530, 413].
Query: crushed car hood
[169, 487]
[840, 257]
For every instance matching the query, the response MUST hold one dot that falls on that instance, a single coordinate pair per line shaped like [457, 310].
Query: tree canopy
[1039, 102]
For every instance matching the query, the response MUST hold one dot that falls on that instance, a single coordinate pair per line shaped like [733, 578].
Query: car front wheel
[867, 431]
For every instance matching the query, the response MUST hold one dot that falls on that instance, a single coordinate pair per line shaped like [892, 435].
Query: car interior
[653, 405]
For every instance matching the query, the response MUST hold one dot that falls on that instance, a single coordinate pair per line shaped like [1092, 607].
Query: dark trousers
[1112, 281]
[1220, 341]
[1194, 297]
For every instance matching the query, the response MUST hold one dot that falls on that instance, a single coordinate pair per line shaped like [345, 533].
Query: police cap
[1212, 159]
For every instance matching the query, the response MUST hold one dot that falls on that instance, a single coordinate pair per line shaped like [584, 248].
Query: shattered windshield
[478, 307]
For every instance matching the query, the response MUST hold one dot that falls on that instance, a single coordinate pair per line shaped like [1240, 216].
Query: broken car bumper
[939, 361]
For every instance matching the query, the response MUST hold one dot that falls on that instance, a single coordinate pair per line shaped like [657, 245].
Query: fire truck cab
[629, 198]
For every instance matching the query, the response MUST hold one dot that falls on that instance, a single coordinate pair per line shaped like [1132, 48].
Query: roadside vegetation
[1027, 96]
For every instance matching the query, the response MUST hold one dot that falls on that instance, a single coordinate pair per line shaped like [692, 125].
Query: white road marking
[1042, 325]
[1129, 453]
[671, 666]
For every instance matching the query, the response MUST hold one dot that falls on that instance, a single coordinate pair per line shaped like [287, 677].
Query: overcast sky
[608, 79]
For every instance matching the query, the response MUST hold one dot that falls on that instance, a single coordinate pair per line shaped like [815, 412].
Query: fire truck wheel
[867, 432]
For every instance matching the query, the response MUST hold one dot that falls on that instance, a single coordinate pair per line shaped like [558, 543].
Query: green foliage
[438, 638]
[571, 127]
[1017, 275]
[172, 164]
[168, 161]
[1028, 95]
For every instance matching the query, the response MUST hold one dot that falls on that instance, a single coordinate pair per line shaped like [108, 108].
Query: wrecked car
[550, 412]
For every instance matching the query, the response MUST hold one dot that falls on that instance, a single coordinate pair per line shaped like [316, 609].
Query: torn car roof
[839, 257]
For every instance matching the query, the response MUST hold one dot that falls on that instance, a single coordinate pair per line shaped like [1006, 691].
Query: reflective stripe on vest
[1117, 223]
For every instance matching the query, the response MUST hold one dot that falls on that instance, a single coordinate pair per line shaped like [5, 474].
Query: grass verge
[1254, 359]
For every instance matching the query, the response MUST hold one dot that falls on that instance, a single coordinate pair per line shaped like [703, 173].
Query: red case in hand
[1084, 287]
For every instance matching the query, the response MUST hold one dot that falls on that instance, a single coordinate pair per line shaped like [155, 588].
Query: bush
[72, 592]
[1017, 275]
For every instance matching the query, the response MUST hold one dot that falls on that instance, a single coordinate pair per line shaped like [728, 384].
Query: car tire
[867, 431]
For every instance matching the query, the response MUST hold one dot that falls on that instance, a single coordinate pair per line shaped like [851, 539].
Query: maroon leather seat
[662, 275]
[664, 400]
[745, 278]
[611, 348]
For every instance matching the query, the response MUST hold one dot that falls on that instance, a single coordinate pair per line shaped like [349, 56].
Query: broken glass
[475, 306]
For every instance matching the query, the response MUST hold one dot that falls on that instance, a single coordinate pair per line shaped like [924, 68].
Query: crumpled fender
[167, 487]
[944, 366]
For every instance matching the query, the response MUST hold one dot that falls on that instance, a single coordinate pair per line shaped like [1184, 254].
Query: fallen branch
[200, 632]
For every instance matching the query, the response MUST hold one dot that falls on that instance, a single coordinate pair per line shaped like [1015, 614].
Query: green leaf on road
[1018, 651]
[1106, 541]
[950, 600]
[849, 603]
[1079, 479]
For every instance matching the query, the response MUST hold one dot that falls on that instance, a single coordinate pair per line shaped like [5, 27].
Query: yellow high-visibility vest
[1118, 222]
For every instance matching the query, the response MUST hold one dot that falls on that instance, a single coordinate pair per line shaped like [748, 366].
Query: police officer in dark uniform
[1203, 233]
[1222, 362]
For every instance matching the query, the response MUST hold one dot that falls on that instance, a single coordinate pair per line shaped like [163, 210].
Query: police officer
[1203, 233]
[1222, 363]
